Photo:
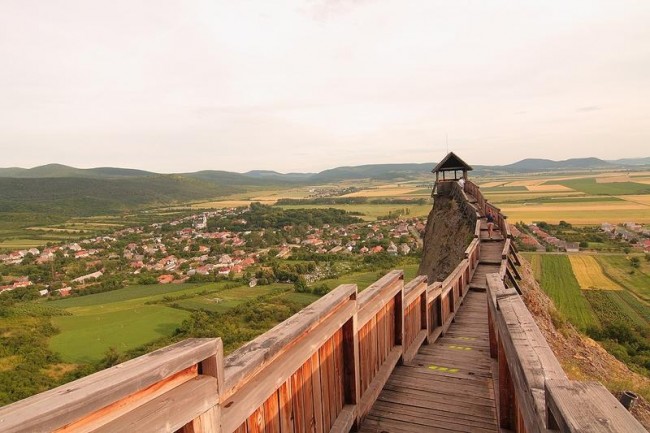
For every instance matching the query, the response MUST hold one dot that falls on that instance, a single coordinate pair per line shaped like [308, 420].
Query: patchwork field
[622, 296]
[590, 274]
[558, 281]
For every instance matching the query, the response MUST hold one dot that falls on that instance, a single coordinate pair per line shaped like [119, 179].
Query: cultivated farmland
[589, 273]
[560, 284]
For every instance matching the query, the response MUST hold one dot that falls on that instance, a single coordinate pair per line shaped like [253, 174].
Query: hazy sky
[174, 86]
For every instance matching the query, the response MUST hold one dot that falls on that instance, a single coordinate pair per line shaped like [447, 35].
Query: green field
[87, 337]
[369, 211]
[590, 186]
[560, 284]
[619, 269]
[128, 318]
[613, 306]
[227, 299]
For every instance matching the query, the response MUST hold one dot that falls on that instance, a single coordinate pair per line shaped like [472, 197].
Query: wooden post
[494, 352]
[399, 314]
[506, 392]
[424, 317]
[352, 381]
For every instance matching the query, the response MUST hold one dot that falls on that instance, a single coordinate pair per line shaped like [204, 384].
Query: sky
[302, 86]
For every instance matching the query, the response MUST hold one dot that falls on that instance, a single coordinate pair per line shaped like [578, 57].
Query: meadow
[128, 318]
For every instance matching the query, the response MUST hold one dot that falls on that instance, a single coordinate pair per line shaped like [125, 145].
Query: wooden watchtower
[450, 166]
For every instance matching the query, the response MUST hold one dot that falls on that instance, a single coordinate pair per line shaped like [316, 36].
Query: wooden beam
[414, 289]
[587, 407]
[345, 421]
[253, 393]
[172, 410]
[258, 353]
[66, 404]
[378, 295]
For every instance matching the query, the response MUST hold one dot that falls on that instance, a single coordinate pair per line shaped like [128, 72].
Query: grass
[365, 279]
[227, 299]
[504, 189]
[371, 211]
[130, 317]
[611, 307]
[87, 337]
[590, 186]
[590, 274]
[619, 269]
[558, 281]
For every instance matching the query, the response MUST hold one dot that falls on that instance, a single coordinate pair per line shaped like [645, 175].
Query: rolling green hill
[60, 170]
[92, 196]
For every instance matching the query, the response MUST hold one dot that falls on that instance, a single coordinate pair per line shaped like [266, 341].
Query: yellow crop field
[548, 188]
[492, 184]
[614, 179]
[382, 192]
[575, 213]
[590, 275]
[641, 199]
[527, 182]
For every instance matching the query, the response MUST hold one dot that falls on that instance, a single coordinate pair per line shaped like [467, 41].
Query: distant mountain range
[375, 171]
[69, 190]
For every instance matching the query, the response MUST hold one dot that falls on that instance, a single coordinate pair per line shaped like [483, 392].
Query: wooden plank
[588, 407]
[383, 291]
[115, 410]
[345, 421]
[170, 411]
[68, 403]
[286, 409]
[255, 423]
[325, 374]
[364, 348]
[351, 367]
[237, 407]
[272, 413]
[208, 422]
[414, 289]
[331, 380]
[317, 393]
[308, 398]
[258, 353]
[298, 401]
[339, 379]
[371, 394]
[420, 338]
[240, 429]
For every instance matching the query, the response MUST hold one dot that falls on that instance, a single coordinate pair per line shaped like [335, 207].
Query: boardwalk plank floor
[448, 385]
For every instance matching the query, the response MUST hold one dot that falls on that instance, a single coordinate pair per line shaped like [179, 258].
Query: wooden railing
[174, 388]
[534, 394]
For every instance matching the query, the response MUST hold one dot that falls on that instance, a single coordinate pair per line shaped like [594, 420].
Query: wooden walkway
[447, 387]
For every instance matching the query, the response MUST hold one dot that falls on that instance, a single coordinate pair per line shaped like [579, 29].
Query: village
[536, 237]
[195, 248]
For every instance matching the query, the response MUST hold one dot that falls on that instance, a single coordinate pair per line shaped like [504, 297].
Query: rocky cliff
[449, 230]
